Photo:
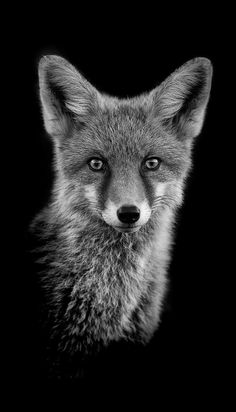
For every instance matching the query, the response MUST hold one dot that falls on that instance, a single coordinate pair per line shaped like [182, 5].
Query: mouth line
[127, 228]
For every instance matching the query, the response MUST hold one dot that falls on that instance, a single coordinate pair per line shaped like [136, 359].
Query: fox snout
[127, 217]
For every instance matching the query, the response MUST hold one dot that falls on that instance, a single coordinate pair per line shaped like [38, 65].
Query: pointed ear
[180, 101]
[65, 95]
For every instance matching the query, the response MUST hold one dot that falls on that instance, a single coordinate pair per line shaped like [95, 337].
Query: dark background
[188, 352]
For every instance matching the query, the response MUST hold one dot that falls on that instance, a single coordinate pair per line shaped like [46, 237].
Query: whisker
[163, 201]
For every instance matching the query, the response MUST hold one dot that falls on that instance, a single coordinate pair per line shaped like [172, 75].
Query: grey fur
[102, 285]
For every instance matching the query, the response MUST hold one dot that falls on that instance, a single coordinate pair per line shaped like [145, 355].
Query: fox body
[120, 169]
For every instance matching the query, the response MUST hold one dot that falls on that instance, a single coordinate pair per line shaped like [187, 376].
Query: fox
[105, 237]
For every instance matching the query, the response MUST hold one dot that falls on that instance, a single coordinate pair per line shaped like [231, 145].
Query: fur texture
[104, 280]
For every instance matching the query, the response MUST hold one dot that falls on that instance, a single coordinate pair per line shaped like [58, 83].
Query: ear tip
[204, 63]
[49, 59]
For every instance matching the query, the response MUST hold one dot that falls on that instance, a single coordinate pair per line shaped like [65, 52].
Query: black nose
[128, 214]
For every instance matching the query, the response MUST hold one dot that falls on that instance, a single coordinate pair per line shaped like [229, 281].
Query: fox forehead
[122, 129]
[118, 127]
[124, 133]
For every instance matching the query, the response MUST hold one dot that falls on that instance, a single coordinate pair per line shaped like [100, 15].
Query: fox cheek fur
[105, 236]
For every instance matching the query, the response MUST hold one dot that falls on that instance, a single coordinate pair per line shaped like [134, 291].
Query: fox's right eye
[96, 164]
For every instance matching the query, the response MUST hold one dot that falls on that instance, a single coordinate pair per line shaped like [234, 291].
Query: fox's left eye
[96, 164]
[152, 163]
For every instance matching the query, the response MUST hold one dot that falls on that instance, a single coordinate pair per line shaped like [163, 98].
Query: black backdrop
[186, 353]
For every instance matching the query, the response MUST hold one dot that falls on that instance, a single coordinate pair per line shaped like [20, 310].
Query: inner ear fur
[180, 101]
[64, 93]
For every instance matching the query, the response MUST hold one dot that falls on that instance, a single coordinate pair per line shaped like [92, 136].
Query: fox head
[122, 160]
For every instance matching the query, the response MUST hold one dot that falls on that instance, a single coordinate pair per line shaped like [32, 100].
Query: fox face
[122, 161]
